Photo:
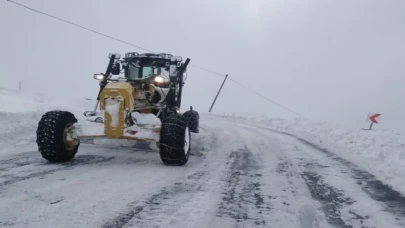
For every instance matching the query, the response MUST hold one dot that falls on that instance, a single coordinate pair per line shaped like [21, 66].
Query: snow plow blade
[149, 133]
[115, 101]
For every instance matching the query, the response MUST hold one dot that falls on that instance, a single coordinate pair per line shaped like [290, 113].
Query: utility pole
[218, 93]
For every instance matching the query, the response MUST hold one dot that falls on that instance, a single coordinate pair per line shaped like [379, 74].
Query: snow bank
[20, 113]
[380, 152]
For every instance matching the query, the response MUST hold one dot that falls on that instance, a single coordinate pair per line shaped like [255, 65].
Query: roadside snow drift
[19, 116]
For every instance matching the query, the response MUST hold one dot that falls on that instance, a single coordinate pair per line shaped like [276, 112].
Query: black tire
[193, 119]
[173, 136]
[51, 136]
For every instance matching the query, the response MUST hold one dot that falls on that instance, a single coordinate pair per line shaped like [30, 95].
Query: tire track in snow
[181, 190]
[242, 199]
[23, 160]
[393, 200]
[376, 189]
[162, 208]
[290, 196]
[331, 198]
[307, 214]
[30, 161]
[19, 160]
[144, 213]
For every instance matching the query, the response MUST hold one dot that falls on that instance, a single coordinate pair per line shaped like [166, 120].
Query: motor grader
[139, 99]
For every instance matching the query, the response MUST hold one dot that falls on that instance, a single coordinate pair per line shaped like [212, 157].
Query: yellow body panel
[114, 117]
[114, 100]
[118, 89]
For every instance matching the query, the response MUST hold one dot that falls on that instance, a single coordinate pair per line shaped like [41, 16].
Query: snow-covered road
[245, 177]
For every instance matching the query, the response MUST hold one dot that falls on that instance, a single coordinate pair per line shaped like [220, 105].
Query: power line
[99, 33]
[74, 24]
[254, 91]
[204, 69]
[145, 49]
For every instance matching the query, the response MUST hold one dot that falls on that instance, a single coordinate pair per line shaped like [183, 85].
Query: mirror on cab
[117, 55]
[116, 68]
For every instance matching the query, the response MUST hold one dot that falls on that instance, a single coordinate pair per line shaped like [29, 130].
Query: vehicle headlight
[159, 79]
[99, 76]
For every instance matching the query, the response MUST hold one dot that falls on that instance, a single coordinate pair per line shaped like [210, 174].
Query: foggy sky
[329, 60]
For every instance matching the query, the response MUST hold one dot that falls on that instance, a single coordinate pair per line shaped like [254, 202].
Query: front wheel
[175, 138]
[54, 139]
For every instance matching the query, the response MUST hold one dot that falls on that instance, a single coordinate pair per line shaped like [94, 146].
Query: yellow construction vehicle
[143, 105]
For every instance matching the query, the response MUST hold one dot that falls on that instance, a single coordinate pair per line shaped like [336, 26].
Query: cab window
[148, 72]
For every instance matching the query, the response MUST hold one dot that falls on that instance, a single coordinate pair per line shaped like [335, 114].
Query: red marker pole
[373, 120]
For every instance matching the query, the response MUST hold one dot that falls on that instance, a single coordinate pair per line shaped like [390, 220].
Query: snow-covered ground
[380, 152]
[244, 172]
[20, 113]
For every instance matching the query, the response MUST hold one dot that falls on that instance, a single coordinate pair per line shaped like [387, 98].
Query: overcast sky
[329, 60]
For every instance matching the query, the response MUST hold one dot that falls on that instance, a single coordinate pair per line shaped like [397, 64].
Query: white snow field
[242, 173]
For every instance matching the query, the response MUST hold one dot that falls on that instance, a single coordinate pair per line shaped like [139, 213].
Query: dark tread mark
[50, 136]
[6, 224]
[283, 169]
[153, 203]
[330, 198]
[243, 190]
[57, 201]
[171, 142]
[376, 189]
[124, 218]
[19, 160]
[82, 160]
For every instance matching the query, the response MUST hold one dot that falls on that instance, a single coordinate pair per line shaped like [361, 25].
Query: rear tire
[193, 120]
[53, 143]
[174, 143]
